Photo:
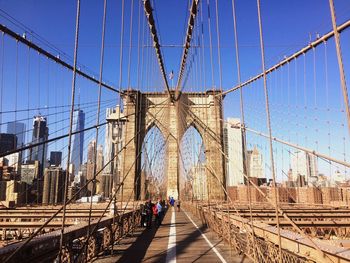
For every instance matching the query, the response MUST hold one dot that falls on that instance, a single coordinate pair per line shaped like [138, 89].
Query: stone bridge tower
[203, 111]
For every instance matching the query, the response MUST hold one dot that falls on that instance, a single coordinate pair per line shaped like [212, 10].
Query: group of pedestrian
[149, 209]
[154, 213]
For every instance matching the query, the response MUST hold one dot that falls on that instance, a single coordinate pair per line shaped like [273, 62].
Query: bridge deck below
[177, 240]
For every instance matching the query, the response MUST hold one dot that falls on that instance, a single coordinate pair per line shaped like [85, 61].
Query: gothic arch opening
[153, 164]
[193, 174]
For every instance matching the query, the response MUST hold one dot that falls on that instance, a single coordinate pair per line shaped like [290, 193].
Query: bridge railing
[260, 243]
[45, 247]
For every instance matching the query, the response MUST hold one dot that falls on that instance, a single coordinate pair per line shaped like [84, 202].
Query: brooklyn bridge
[174, 131]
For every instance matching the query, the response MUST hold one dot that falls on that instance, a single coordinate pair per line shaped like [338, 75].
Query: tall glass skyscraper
[77, 140]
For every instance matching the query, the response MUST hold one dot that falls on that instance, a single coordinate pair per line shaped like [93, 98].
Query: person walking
[160, 211]
[156, 215]
[149, 213]
[178, 205]
[172, 201]
[143, 215]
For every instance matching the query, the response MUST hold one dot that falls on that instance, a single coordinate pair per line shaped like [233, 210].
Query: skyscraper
[82, 174]
[40, 134]
[90, 164]
[17, 128]
[99, 165]
[91, 151]
[77, 140]
[113, 143]
[234, 149]
[93, 160]
[99, 158]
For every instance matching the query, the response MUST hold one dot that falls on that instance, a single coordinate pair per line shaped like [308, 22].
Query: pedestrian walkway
[180, 239]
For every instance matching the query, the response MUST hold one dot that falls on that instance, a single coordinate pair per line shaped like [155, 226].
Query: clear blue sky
[288, 26]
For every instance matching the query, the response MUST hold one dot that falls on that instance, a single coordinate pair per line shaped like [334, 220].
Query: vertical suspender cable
[220, 88]
[138, 47]
[2, 73]
[340, 62]
[212, 77]
[244, 139]
[138, 186]
[128, 83]
[130, 40]
[118, 128]
[212, 81]
[16, 94]
[120, 84]
[70, 127]
[97, 114]
[218, 42]
[28, 102]
[268, 120]
[211, 46]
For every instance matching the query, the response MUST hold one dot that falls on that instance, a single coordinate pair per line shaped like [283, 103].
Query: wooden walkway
[180, 239]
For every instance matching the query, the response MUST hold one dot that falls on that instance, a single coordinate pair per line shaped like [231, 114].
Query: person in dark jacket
[149, 213]
[143, 215]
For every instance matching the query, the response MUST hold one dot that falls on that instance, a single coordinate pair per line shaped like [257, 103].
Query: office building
[255, 164]
[30, 172]
[233, 146]
[14, 161]
[89, 176]
[14, 190]
[113, 144]
[304, 164]
[91, 151]
[82, 175]
[99, 158]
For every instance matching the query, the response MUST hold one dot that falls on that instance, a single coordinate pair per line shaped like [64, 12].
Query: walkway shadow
[137, 251]
[180, 246]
